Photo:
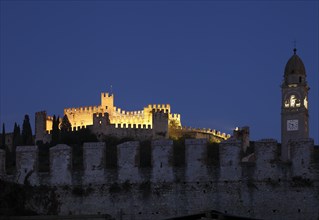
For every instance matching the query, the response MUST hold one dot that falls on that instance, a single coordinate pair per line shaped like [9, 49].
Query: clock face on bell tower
[294, 107]
[292, 125]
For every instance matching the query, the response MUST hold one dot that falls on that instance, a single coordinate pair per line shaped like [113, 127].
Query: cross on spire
[295, 45]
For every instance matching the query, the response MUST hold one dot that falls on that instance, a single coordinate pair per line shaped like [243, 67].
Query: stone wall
[27, 164]
[266, 152]
[266, 188]
[2, 162]
[94, 162]
[301, 152]
[162, 161]
[61, 165]
[229, 156]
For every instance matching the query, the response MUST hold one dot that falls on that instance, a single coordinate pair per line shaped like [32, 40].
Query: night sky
[219, 64]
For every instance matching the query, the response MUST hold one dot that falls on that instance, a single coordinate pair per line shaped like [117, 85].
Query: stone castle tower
[294, 105]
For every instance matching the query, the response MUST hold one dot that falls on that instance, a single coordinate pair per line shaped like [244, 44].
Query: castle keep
[153, 122]
[257, 179]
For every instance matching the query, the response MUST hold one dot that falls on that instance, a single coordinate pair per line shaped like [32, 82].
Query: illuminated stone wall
[102, 127]
[83, 116]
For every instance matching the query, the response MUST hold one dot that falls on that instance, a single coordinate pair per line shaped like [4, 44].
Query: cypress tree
[57, 128]
[65, 125]
[19, 136]
[27, 138]
[55, 131]
[3, 138]
[16, 135]
[16, 141]
[66, 128]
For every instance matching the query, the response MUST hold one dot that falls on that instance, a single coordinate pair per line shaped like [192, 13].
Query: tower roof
[295, 65]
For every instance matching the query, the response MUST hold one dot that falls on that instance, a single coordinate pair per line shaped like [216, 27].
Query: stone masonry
[265, 188]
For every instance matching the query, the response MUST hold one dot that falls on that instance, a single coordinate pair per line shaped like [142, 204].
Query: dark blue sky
[219, 64]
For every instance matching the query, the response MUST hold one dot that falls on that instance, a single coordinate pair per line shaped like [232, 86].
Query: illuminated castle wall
[153, 122]
[83, 116]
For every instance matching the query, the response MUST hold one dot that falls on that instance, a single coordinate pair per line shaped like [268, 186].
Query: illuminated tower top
[295, 71]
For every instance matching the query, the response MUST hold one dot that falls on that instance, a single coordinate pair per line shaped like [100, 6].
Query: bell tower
[294, 104]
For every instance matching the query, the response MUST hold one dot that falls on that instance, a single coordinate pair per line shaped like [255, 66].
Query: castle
[261, 179]
[153, 122]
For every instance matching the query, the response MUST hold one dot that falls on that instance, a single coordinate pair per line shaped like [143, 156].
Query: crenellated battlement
[165, 107]
[213, 132]
[160, 113]
[175, 116]
[134, 129]
[133, 126]
[106, 94]
[266, 165]
[84, 109]
[230, 184]
[120, 112]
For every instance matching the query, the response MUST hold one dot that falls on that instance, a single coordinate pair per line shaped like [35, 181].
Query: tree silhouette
[65, 125]
[16, 136]
[55, 131]
[27, 138]
[3, 138]
[11, 156]
[66, 130]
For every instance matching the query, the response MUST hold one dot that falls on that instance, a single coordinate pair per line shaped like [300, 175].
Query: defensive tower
[40, 126]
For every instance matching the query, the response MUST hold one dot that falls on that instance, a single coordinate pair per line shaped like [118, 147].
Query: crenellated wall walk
[261, 188]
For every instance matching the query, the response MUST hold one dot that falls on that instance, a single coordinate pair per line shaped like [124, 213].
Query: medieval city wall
[266, 188]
